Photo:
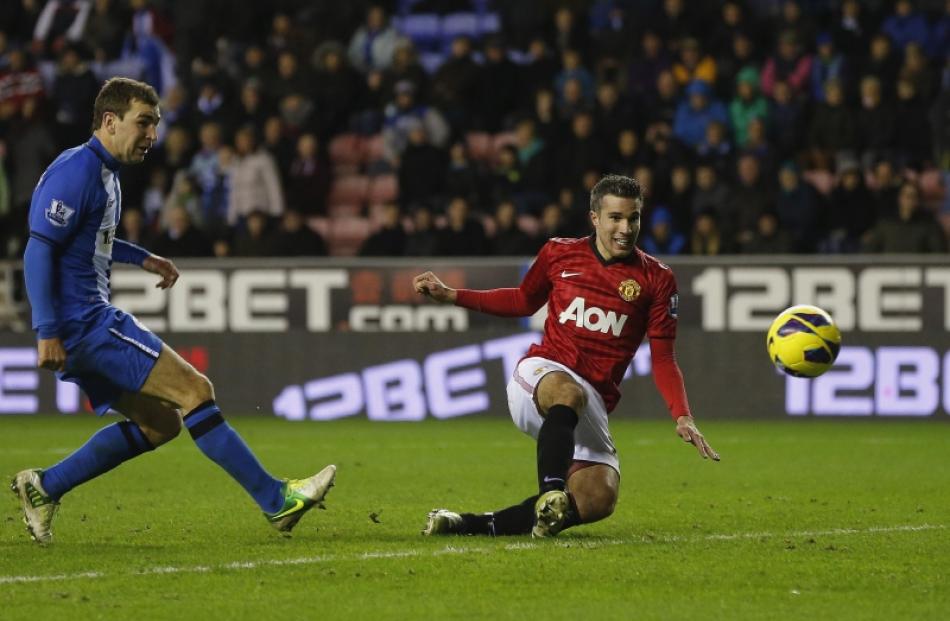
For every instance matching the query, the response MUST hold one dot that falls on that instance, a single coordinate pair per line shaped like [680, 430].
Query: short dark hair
[116, 96]
[614, 185]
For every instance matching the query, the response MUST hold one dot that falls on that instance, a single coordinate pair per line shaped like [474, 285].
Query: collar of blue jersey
[100, 151]
[630, 258]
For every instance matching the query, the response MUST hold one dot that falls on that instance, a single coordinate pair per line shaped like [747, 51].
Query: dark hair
[116, 96]
[614, 185]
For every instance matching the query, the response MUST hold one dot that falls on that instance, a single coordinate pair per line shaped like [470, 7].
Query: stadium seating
[345, 153]
[425, 30]
[349, 190]
[347, 234]
[383, 189]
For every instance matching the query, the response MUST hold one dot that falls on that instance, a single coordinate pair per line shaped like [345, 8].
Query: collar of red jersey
[631, 258]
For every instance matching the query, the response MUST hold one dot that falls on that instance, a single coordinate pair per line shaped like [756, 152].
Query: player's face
[616, 225]
[135, 133]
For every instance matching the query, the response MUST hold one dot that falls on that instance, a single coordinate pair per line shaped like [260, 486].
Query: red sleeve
[668, 377]
[523, 301]
[661, 321]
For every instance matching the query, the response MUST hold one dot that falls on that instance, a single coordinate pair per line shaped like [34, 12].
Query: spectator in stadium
[706, 239]
[19, 81]
[30, 148]
[851, 30]
[694, 114]
[833, 128]
[538, 71]
[916, 68]
[711, 193]
[679, 197]
[421, 168]
[794, 20]
[581, 151]
[644, 68]
[456, 84]
[373, 44]
[253, 178]
[462, 176]
[509, 240]
[748, 199]
[912, 128]
[308, 180]
[402, 114]
[254, 238]
[693, 65]
[389, 240]
[787, 122]
[747, 104]
[758, 145]
[562, 391]
[535, 163]
[662, 239]
[500, 90]
[505, 178]
[733, 20]
[105, 29]
[334, 91]
[913, 230]
[885, 187]
[875, 123]
[568, 31]
[789, 65]
[293, 238]
[827, 64]
[612, 111]
[279, 141]
[212, 104]
[768, 238]
[554, 221]
[905, 25]
[674, 19]
[405, 67]
[132, 227]
[716, 146]
[183, 194]
[742, 54]
[627, 154]
[73, 94]
[179, 237]
[797, 207]
[423, 239]
[573, 70]
[547, 124]
[882, 62]
[252, 105]
[851, 211]
[463, 234]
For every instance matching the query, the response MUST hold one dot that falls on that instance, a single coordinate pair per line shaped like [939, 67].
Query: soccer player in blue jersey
[119, 363]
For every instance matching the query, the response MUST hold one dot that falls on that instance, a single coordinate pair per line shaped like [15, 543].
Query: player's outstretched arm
[164, 268]
[686, 428]
[429, 285]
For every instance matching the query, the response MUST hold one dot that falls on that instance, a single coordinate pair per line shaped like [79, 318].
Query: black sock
[556, 447]
[516, 520]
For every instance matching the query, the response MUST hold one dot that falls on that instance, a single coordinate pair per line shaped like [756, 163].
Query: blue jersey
[75, 211]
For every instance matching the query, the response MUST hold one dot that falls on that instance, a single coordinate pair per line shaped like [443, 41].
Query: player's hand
[50, 354]
[686, 429]
[429, 285]
[164, 268]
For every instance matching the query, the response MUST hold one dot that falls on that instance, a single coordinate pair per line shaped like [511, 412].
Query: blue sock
[106, 449]
[222, 445]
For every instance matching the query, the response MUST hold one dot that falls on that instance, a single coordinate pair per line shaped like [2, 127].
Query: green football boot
[38, 508]
[301, 495]
[550, 511]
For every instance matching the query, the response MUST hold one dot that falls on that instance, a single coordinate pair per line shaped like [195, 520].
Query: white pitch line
[457, 550]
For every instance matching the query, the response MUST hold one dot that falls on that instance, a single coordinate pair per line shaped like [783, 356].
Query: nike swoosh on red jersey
[567, 274]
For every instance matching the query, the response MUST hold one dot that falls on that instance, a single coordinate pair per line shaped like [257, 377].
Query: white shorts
[592, 441]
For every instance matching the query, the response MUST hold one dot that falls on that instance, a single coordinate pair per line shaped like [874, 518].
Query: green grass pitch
[800, 520]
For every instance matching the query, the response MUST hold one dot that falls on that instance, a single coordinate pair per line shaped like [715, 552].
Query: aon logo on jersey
[593, 318]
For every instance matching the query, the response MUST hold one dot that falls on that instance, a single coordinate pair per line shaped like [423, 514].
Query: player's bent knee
[200, 390]
[597, 506]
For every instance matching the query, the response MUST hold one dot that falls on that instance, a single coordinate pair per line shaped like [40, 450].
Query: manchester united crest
[629, 290]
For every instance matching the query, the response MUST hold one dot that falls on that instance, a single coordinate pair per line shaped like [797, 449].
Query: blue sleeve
[127, 252]
[58, 204]
[38, 273]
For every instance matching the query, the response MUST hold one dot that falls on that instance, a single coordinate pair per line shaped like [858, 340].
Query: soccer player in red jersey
[603, 296]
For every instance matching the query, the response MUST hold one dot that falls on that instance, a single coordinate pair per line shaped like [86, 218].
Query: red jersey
[598, 310]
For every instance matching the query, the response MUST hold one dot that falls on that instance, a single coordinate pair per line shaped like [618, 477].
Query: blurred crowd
[476, 127]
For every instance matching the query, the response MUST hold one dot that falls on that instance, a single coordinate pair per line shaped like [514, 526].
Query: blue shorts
[109, 355]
